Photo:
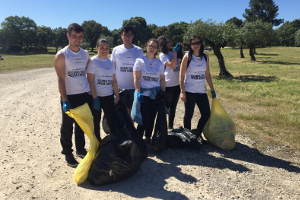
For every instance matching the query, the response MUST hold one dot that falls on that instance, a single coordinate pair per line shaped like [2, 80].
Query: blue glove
[66, 106]
[140, 97]
[96, 103]
[177, 48]
[213, 94]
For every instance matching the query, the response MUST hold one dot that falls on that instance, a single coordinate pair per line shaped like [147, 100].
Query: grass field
[266, 92]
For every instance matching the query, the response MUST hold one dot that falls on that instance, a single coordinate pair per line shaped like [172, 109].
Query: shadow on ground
[251, 78]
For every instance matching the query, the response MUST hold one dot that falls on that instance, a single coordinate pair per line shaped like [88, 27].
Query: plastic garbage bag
[84, 118]
[159, 139]
[182, 138]
[220, 128]
[105, 125]
[120, 154]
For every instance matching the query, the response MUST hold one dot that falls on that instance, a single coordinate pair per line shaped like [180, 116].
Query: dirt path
[32, 167]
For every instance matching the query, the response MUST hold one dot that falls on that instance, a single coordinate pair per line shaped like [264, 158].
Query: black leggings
[148, 111]
[108, 106]
[175, 93]
[202, 102]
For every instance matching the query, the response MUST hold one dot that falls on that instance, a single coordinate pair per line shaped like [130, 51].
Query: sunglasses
[152, 47]
[196, 43]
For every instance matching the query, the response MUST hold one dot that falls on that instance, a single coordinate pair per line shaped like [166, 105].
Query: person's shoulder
[60, 55]
[118, 47]
[84, 51]
[137, 48]
[159, 61]
[94, 57]
[62, 51]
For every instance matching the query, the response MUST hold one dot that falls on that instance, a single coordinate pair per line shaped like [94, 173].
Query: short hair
[101, 41]
[126, 29]
[74, 27]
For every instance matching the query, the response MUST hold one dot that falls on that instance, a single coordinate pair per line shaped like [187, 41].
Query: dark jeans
[108, 106]
[202, 102]
[66, 129]
[175, 93]
[127, 96]
[148, 111]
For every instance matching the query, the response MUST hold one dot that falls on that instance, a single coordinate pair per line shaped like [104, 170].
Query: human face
[195, 45]
[127, 38]
[151, 48]
[169, 44]
[75, 39]
[103, 50]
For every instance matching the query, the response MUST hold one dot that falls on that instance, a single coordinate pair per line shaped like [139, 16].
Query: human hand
[140, 97]
[66, 106]
[177, 48]
[183, 97]
[213, 94]
[96, 103]
[117, 99]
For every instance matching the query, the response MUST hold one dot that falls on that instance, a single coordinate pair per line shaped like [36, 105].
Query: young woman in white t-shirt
[148, 73]
[194, 71]
[101, 75]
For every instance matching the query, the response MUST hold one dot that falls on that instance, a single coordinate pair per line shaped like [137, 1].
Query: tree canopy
[297, 38]
[141, 31]
[286, 32]
[265, 10]
[214, 34]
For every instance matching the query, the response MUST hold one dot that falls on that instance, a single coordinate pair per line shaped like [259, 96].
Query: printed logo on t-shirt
[126, 69]
[104, 82]
[199, 63]
[128, 55]
[76, 73]
[148, 78]
[78, 60]
[151, 65]
[198, 77]
[106, 66]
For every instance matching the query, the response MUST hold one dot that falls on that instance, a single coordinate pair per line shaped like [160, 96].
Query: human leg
[145, 110]
[189, 109]
[152, 114]
[108, 106]
[203, 105]
[173, 104]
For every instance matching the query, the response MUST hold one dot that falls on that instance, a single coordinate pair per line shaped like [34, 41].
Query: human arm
[60, 68]
[162, 82]
[91, 78]
[172, 63]
[136, 77]
[208, 76]
[182, 72]
[115, 87]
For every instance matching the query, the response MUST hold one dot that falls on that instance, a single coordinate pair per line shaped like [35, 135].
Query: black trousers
[148, 111]
[175, 93]
[66, 130]
[203, 104]
[108, 106]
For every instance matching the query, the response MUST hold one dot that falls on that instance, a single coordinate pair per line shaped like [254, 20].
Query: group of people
[96, 81]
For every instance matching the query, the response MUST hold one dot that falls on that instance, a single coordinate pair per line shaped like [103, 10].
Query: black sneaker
[70, 160]
[81, 154]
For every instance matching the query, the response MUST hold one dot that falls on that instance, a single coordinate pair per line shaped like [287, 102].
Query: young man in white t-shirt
[124, 57]
[70, 65]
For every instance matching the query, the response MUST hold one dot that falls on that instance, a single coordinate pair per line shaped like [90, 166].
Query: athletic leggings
[202, 102]
[175, 93]
[148, 111]
[108, 106]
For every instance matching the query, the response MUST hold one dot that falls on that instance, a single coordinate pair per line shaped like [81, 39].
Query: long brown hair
[191, 52]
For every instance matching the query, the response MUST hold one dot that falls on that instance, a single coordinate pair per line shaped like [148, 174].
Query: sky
[61, 13]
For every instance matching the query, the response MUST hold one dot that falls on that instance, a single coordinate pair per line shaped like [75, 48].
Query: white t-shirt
[195, 75]
[171, 75]
[151, 69]
[103, 70]
[75, 73]
[125, 59]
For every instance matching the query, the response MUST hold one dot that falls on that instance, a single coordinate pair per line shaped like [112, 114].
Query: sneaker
[70, 160]
[81, 154]
[148, 142]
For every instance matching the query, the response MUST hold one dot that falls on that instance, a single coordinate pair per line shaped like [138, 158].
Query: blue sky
[111, 13]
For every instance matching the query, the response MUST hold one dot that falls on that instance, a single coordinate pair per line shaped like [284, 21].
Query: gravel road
[32, 167]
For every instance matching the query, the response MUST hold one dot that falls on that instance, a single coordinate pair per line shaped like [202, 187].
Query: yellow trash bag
[219, 129]
[84, 119]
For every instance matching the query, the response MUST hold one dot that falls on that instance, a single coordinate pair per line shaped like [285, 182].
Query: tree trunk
[254, 50]
[56, 49]
[252, 54]
[241, 52]
[223, 70]
[92, 49]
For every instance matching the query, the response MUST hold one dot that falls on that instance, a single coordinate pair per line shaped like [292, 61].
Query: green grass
[264, 95]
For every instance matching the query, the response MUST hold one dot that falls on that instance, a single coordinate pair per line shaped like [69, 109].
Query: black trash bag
[120, 154]
[105, 125]
[159, 139]
[182, 138]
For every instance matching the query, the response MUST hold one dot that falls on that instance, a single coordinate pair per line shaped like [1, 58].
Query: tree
[239, 40]
[4, 38]
[44, 35]
[116, 34]
[255, 34]
[176, 31]
[162, 30]
[265, 10]
[92, 32]
[110, 40]
[60, 37]
[152, 27]
[140, 28]
[214, 34]
[286, 32]
[297, 38]
[18, 27]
